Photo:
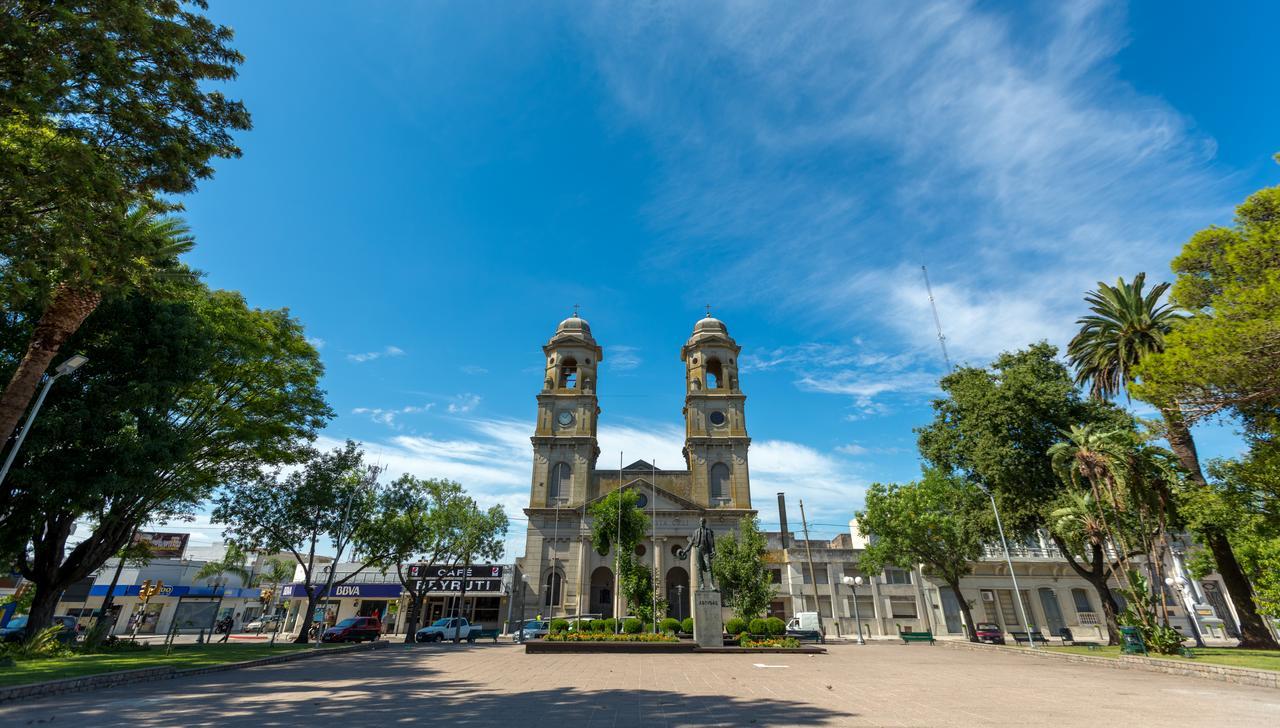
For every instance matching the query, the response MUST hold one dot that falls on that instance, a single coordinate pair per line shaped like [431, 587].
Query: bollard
[200, 637]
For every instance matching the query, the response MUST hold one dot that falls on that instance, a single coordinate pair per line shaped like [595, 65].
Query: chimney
[782, 517]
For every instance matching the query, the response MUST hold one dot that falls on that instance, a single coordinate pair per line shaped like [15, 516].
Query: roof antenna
[942, 340]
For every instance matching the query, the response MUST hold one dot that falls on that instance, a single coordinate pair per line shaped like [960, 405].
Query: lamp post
[1181, 585]
[680, 601]
[66, 367]
[854, 582]
[1017, 593]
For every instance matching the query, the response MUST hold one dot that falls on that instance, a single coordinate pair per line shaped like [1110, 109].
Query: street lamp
[66, 367]
[680, 601]
[854, 582]
[1017, 593]
[1181, 585]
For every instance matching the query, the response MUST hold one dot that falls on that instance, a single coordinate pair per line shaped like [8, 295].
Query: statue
[703, 545]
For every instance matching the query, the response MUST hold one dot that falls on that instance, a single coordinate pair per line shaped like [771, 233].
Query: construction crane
[942, 340]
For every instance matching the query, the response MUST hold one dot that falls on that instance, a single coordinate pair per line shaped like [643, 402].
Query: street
[498, 685]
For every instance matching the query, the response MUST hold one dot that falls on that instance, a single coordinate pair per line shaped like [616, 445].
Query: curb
[148, 674]
[1209, 671]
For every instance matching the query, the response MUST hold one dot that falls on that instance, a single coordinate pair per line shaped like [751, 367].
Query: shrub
[789, 643]
[670, 624]
[776, 626]
[735, 625]
[632, 626]
[559, 625]
[759, 626]
[609, 637]
[609, 624]
[687, 625]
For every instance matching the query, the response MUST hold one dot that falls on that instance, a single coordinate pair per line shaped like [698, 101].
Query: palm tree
[1126, 326]
[232, 562]
[1096, 457]
[275, 575]
[1078, 529]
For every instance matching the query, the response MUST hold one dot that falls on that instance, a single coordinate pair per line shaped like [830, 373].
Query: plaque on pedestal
[708, 624]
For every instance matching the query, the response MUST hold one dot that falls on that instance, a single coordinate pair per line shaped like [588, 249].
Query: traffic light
[159, 586]
[267, 594]
[144, 593]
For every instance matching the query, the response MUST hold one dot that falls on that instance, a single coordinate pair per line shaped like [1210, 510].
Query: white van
[805, 626]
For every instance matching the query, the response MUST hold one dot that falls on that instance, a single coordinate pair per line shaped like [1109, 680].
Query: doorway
[950, 611]
[1052, 611]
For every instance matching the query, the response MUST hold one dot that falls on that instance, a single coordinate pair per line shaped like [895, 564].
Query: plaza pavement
[499, 685]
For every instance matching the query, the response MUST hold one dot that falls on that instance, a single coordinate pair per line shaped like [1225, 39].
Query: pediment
[662, 500]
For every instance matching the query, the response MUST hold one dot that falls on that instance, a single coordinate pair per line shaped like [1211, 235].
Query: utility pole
[817, 605]
[942, 340]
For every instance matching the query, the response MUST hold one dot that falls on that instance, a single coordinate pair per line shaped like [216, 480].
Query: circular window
[639, 549]
[642, 501]
[717, 418]
[675, 550]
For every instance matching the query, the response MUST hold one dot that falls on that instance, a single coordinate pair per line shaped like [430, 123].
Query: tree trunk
[969, 624]
[43, 606]
[64, 314]
[313, 596]
[462, 596]
[1253, 630]
[1096, 575]
[411, 619]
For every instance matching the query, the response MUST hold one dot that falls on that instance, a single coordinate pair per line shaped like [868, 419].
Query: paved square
[499, 685]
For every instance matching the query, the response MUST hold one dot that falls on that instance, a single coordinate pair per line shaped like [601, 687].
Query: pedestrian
[225, 627]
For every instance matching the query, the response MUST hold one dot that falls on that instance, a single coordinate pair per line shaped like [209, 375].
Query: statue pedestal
[708, 624]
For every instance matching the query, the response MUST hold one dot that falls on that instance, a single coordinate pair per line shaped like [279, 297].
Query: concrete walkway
[499, 685]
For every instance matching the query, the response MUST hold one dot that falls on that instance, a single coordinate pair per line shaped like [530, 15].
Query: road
[499, 685]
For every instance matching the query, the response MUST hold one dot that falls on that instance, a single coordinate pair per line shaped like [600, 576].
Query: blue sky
[431, 187]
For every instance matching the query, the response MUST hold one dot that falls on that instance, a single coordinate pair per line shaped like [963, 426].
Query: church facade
[561, 573]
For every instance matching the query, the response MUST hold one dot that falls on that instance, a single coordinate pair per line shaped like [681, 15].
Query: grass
[1229, 656]
[183, 656]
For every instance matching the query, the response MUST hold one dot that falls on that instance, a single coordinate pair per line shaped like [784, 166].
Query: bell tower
[564, 440]
[716, 441]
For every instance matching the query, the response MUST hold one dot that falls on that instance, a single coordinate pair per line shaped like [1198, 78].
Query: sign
[479, 578]
[347, 591]
[164, 545]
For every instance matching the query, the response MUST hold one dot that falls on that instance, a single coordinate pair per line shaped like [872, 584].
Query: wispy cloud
[463, 403]
[473, 369]
[622, 358]
[389, 351]
[834, 147]
[389, 417]
[316, 342]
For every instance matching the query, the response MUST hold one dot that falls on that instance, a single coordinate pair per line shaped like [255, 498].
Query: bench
[909, 637]
[1023, 637]
[476, 634]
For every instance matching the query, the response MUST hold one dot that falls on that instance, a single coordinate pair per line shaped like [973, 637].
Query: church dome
[574, 324]
[710, 325]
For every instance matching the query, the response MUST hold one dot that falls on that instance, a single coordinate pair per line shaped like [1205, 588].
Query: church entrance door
[602, 592]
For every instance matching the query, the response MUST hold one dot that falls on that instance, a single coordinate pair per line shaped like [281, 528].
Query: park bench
[1069, 639]
[909, 637]
[1131, 642]
[476, 634]
[1023, 637]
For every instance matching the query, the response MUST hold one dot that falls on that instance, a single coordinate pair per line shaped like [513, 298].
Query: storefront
[185, 609]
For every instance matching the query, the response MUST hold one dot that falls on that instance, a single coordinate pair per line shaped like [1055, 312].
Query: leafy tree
[297, 512]
[1079, 531]
[995, 428]
[619, 522]
[479, 534]
[740, 570]
[1127, 331]
[108, 110]
[184, 394]
[275, 574]
[940, 521]
[415, 520]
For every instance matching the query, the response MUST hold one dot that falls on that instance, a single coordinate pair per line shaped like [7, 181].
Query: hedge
[687, 625]
[670, 624]
[735, 625]
[559, 625]
[632, 625]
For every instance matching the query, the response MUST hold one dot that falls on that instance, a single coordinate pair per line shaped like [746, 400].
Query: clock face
[565, 418]
[717, 418]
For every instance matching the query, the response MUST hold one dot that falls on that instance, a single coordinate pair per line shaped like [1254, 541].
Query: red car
[989, 632]
[354, 629]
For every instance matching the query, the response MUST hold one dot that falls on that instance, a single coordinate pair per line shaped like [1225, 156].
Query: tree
[107, 110]
[618, 522]
[184, 394]
[1129, 328]
[740, 572]
[480, 534]
[940, 521]
[274, 575]
[234, 561]
[414, 520]
[1077, 528]
[294, 513]
[996, 426]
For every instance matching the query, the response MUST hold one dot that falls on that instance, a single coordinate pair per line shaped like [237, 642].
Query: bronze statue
[704, 541]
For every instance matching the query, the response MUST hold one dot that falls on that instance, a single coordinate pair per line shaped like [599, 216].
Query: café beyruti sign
[479, 579]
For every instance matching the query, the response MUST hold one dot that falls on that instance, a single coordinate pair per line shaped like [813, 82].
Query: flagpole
[617, 559]
[653, 537]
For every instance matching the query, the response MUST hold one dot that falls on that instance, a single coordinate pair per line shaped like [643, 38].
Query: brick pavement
[498, 685]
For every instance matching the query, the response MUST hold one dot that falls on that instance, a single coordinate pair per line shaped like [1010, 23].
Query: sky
[431, 187]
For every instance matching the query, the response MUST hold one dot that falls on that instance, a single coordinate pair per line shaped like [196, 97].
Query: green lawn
[1230, 656]
[184, 656]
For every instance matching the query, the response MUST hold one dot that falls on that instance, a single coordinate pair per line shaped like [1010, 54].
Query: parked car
[269, 623]
[534, 629]
[354, 629]
[989, 632]
[444, 629]
[13, 631]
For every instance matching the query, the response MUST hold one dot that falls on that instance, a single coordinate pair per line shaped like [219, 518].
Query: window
[561, 482]
[819, 573]
[903, 607]
[719, 483]
[642, 501]
[640, 549]
[897, 576]
[569, 374]
[715, 374]
[1081, 599]
[551, 588]
[775, 576]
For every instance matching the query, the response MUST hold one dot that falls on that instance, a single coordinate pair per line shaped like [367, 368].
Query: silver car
[533, 629]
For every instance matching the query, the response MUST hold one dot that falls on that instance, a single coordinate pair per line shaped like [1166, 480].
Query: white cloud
[464, 403]
[389, 351]
[622, 358]
[473, 369]
[316, 342]
[389, 417]
[854, 449]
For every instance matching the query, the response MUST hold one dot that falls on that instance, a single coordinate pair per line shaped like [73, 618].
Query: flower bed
[609, 637]
[785, 643]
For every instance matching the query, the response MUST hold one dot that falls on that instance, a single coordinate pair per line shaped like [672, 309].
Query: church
[561, 572]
